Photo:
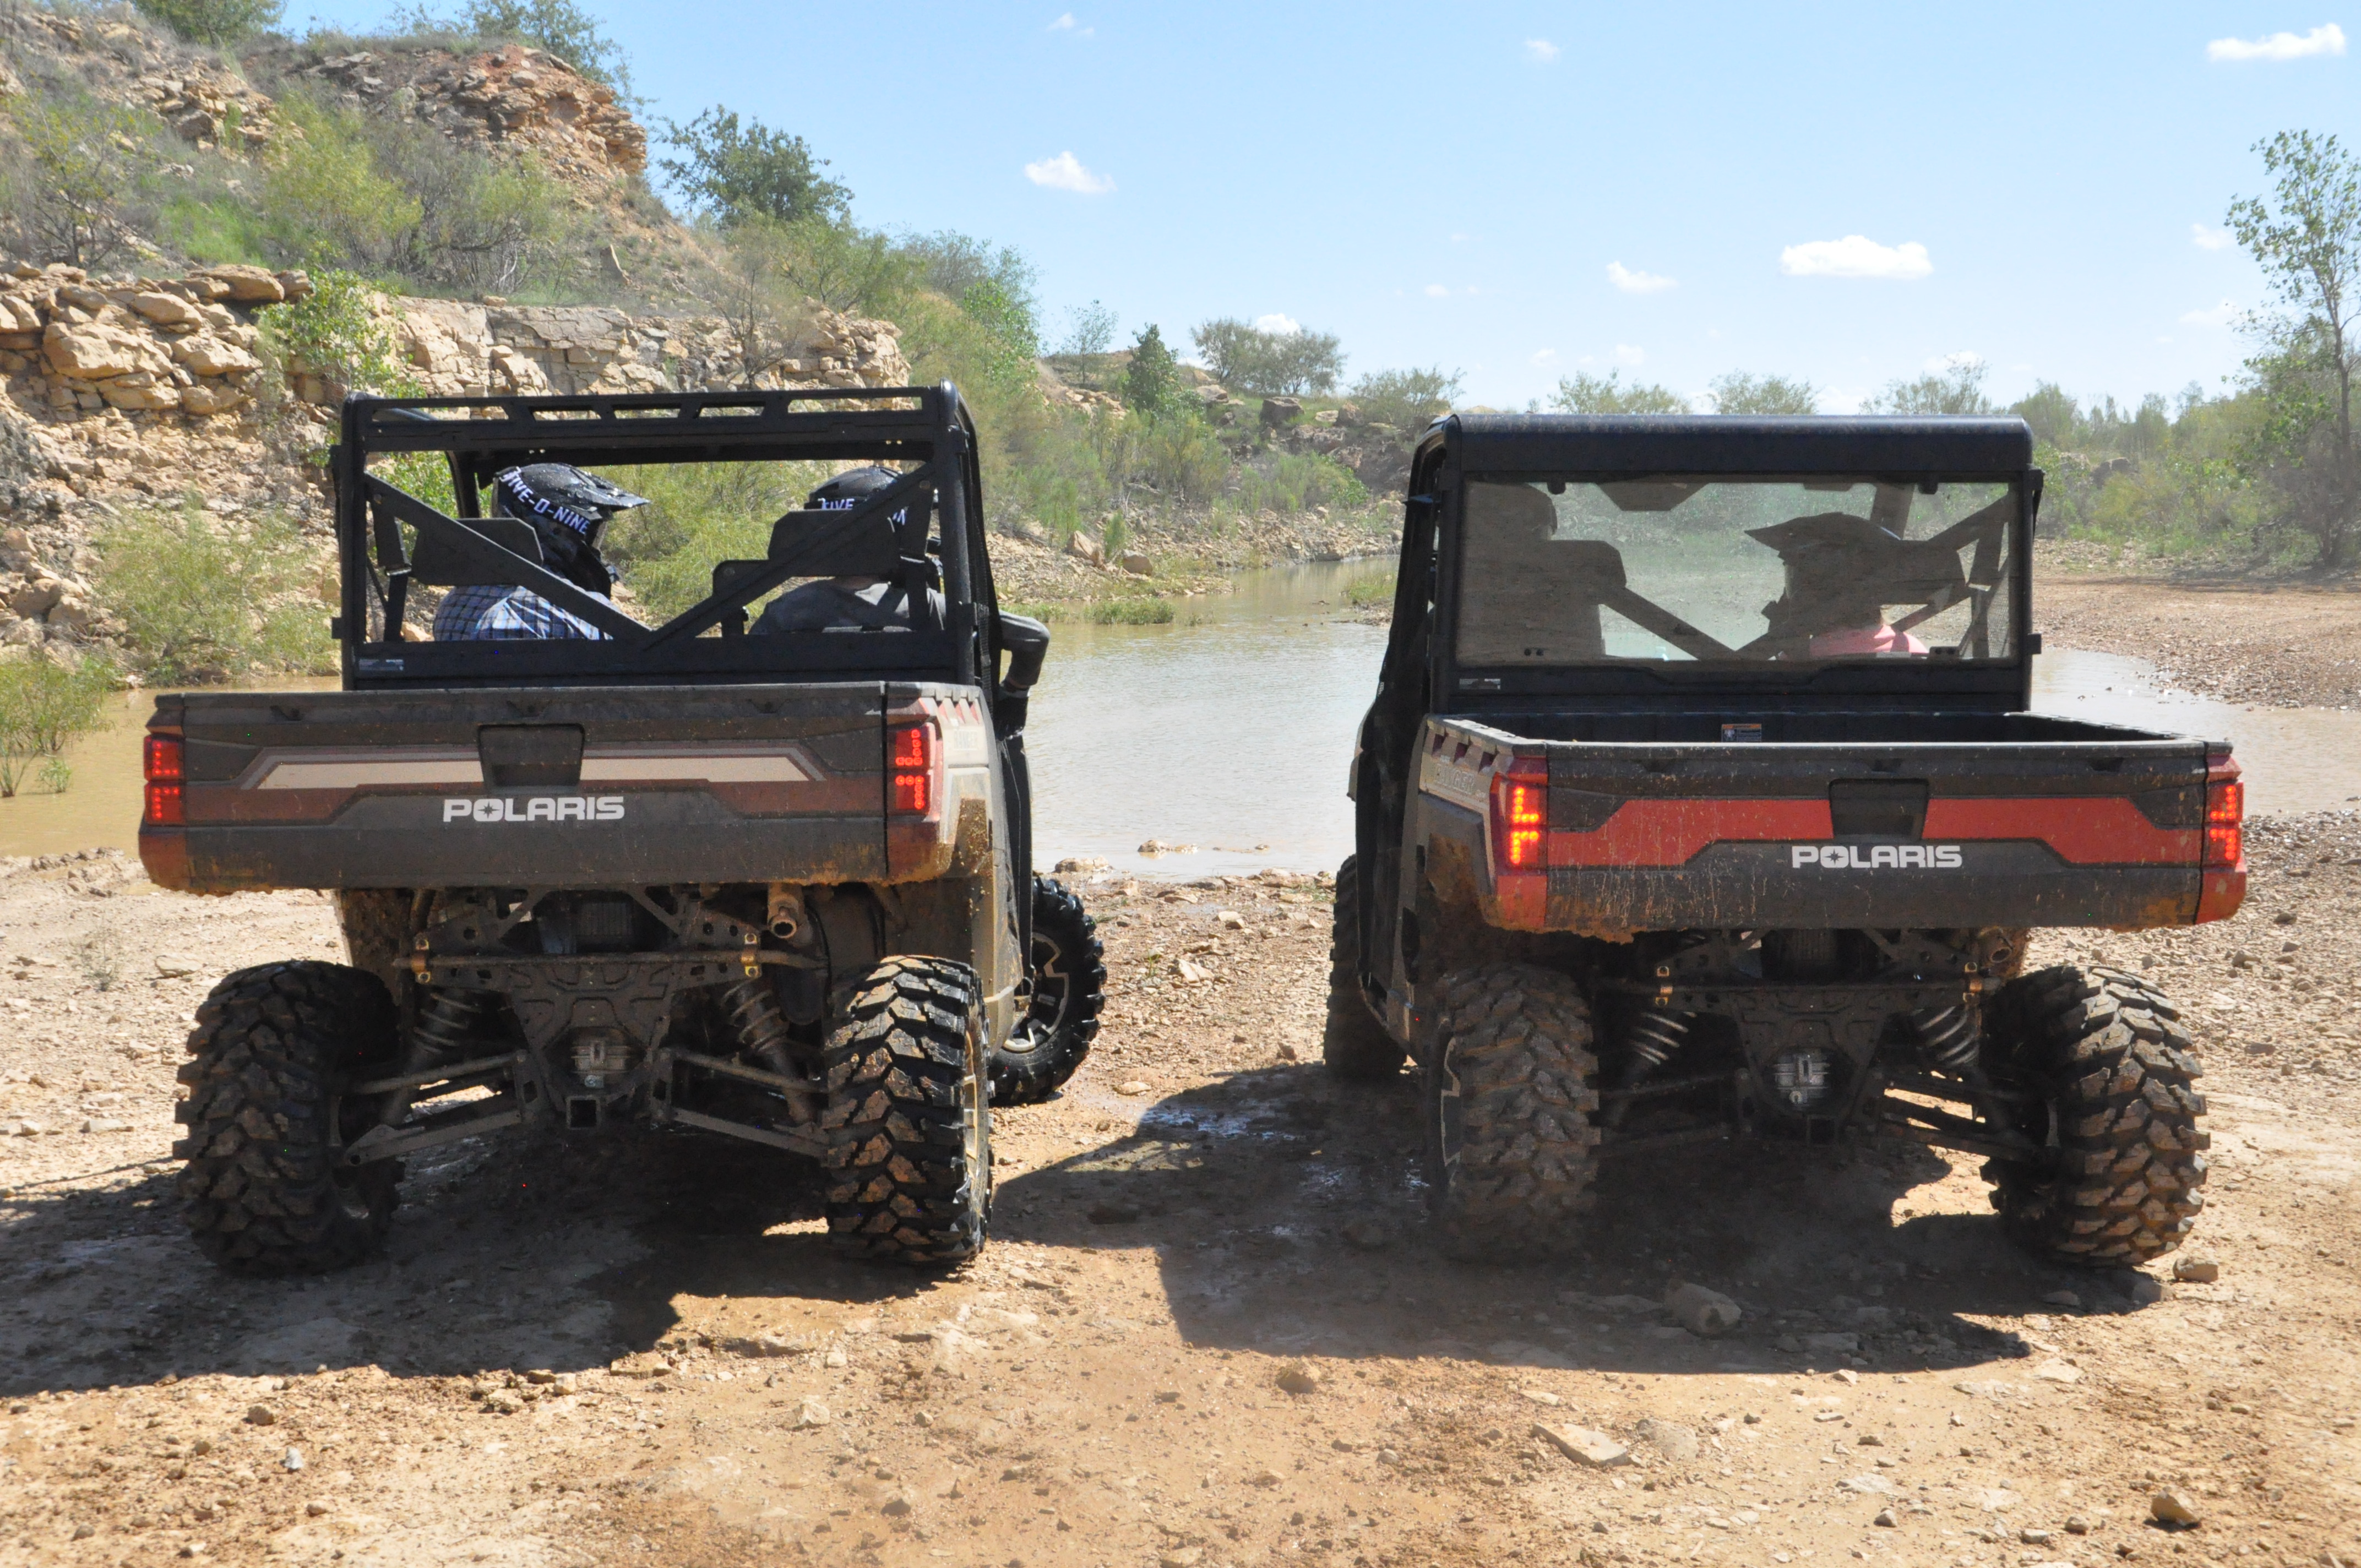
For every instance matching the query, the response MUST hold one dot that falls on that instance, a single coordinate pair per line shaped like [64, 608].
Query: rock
[96, 1125]
[249, 285]
[1137, 563]
[811, 1412]
[1297, 1378]
[639, 1364]
[2144, 1289]
[1082, 547]
[1541, 1396]
[2032, 1536]
[1191, 972]
[1185, 1557]
[93, 352]
[140, 391]
[2173, 1509]
[1113, 1214]
[1886, 1519]
[1670, 1439]
[765, 1343]
[1277, 411]
[2059, 1372]
[261, 1416]
[1848, 1344]
[1870, 1485]
[1707, 1313]
[1266, 1477]
[207, 356]
[1368, 1236]
[504, 1401]
[1082, 865]
[2076, 1525]
[2063, 1299]
[1585, 1444]
[315, 1510]
[292, 1460]
[2196, 1269]
[173, 966]
[1133, 1089]
[164, 310]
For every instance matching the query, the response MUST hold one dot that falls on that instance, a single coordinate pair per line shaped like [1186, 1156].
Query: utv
[1700, 800]
[772, 887]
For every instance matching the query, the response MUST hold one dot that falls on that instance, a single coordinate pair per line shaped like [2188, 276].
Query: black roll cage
[930, 426]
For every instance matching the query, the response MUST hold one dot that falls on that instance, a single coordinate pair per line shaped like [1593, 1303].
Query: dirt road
[1210, 1330]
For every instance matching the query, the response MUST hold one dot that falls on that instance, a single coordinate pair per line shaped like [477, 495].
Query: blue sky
[1516, 192]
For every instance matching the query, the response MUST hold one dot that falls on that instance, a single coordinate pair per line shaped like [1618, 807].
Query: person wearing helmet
[568, 509]
[851, 603]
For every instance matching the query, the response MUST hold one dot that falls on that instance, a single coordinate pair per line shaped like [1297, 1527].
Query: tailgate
[1653, 836]
[572, 787]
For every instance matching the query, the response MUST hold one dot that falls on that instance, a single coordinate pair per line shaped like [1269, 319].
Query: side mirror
[1027, 642]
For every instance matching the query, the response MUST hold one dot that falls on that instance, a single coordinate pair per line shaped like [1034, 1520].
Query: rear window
[1678, 569]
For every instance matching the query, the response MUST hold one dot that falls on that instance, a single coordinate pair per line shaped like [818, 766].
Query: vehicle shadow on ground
[534, 1253]
[1288, 1212]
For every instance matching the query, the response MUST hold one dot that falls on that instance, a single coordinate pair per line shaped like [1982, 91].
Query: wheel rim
[1053, 993]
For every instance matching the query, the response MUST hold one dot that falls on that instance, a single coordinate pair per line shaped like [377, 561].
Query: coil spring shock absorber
[444, 1019]
[1653, 1039]
[1949, 1036]
[758, 1023]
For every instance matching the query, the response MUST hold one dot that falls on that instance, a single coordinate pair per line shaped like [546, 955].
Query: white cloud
[2222, 314]
[1632, 282]
[1066, 23]
[2205, 238]
[2326, 39]
[1438, 290]
[1630, 354]
[1540, 51]
[1459, 239]
[1065, 172]
[1854, 256]
[1545, 357]
[1279, 323]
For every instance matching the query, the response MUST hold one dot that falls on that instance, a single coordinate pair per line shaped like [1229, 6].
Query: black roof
[1734, 443]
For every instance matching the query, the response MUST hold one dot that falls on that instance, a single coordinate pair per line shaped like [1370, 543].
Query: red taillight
[2225, 818]
[1520, 816]
[910, 786]
[162, 765]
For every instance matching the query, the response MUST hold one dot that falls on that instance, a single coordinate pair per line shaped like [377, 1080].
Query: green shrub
[1255, 359]
[323, 195]
[1370, 591]
[561, 26]
[1287, 482]
[1130, 612]
[43, 705]
[698, 513]
[70, 192]
[199, 601]
[333, 334]
[1584, 393]
[1405, 400]
[218, 22]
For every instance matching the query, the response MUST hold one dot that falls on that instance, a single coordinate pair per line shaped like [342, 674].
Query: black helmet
[561, 493]
[849, 489]
[568, 510]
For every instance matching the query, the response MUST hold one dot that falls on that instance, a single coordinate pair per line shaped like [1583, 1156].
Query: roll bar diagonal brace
[925, 433]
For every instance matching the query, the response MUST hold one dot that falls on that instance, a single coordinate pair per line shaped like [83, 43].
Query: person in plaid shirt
[568, 510]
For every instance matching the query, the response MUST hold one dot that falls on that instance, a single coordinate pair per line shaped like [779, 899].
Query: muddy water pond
[1229, 731]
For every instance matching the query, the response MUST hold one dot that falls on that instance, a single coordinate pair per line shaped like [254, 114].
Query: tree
[1584, 393]
[738, 170]
[1405, 400]
[215, 22]
[1740, 393]
[1089, 330]
[2052, 410]
[1254, 360]
[2307, 238]
[1151, 381]
[1957, 390]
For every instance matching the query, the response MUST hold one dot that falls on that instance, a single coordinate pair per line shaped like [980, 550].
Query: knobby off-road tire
[272, 1053]
[1511, 1102]
[2111, 1065]
[1068, 970]
[908, 1123]
[1355, 1044]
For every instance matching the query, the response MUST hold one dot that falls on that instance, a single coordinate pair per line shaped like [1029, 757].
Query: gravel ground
[1211, 1330]
[2277, 647]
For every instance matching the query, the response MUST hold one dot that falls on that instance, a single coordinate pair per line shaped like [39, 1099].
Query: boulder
[91, 351]
[1277, 411]
[247, 285]
[208, 398]
[17, 314]
[208, 356]
[33, 599]
[140, 391]
[164, 310]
